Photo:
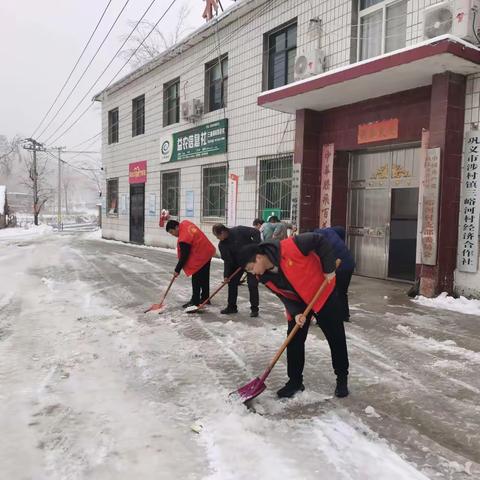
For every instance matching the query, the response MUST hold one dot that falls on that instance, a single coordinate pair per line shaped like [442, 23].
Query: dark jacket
[306, 243]
[238, 237]
[339, 248]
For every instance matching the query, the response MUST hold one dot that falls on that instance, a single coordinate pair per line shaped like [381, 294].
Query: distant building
[3, 206]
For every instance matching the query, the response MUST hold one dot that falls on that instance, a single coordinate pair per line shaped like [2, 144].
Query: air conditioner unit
[309, 63]
[192, 109]
[457, 17]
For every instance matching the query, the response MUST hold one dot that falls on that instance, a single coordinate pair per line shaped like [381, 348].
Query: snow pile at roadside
[460, 305]
[3, 193]
[32, 231]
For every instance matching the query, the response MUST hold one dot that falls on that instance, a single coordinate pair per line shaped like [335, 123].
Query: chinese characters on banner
[295, 194]
[430, 187]
[328, 152]
[137, 172]
[378, 131]
[232, 199]
[469, 205]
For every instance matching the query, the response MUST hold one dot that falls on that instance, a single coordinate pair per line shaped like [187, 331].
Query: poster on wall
[137, 172]
[328, 152]
[232, 199]
[294, 216]
[469, 214]
[152, 202]
[189, 203]
[430, 185]
[123, 204]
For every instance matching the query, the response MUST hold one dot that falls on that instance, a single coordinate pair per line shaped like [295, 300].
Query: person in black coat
[230, 244]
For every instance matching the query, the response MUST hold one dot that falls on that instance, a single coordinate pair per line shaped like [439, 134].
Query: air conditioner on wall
[309, 63]
[457, 17]
[192, 109]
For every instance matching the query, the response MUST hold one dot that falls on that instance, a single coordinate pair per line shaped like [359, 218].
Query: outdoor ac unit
[192, 109]
[458, 17]
[309, 63]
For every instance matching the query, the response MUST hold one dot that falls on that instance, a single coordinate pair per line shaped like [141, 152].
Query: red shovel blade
[155, 306]
[249, 391]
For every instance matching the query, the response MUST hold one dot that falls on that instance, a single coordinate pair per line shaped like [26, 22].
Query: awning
[401, 70]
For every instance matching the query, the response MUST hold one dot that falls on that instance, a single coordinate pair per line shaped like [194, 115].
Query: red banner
[378, 131]
[137, 172]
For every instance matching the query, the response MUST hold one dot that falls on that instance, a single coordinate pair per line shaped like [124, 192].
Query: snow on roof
[3, 198]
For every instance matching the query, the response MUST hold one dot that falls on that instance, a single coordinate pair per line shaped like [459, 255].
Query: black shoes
[229, 310]
[188, 304]
[290, 389]
[254, 312]
[341, 389]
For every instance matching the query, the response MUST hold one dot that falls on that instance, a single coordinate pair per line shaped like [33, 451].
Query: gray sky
[40, 41]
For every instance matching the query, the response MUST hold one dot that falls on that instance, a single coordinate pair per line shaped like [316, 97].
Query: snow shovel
[255, 387]
[158, 306]
[195, 308]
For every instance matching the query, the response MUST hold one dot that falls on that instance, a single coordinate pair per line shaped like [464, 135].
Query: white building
[334, 112]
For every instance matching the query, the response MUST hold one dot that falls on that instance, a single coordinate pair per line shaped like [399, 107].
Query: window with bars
[171, 102]
[138, 116]
[280, 49]
[113, 126]
[275, 184]
[383, 27]
[216, 83]
[112, 196]
[171, 192]
[214, 191]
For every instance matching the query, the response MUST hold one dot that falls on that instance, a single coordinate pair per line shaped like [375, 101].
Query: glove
[330, 276]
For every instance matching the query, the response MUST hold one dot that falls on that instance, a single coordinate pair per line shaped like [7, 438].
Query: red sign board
[378, 131]
[137, 172]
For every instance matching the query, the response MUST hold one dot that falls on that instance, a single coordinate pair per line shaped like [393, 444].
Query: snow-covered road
[90, 388]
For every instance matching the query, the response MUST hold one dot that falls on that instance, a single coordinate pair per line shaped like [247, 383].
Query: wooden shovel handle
[219, 288]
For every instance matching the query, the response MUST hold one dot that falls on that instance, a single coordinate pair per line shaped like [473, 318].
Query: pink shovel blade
[249, 391]
[154, 307]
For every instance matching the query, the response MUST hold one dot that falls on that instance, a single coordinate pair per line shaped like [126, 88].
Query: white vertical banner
[152, 202]
[232, 199]
[431, 186]
[328, 152]
[423, 155]
[469, 215]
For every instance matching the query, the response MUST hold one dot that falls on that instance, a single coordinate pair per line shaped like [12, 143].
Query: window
[214, 191]
[171, 192]
[216, 81]
[113, 126]
[112, 196]
[171, 102]
[138, 116]
[383, 27]
[275, 189]
[280, 48]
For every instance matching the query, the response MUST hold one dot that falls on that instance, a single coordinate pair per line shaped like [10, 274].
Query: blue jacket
[336, 237]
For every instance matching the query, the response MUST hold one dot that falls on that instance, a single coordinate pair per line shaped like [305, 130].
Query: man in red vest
[195, 252]
[294, 269]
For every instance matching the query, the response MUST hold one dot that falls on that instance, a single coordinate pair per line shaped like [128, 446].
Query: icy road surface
[90, 388]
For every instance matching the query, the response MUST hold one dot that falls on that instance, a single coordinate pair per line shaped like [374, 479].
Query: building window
[113, 126]
[138, 116]
[112, 196]
[383, 27]
[275, 184]
[216, 82]
[214, 191]
[280, 48]
[171, 102]
[171, 192]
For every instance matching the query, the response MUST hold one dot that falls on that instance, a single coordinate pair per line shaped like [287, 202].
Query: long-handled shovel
[255, 387]
[158, 306]
[196, 309]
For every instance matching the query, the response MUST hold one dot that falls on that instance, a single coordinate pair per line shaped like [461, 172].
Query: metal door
[373, 175]
[137, 213]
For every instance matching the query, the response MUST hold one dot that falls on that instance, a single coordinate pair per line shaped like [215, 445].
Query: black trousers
[330, 320]
[342, 284]
[201, 285]
[252, 283]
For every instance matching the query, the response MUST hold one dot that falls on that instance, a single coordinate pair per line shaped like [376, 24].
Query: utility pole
[34, 146]
[59, 177]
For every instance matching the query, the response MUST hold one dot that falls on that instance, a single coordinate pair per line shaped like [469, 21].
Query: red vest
[202, 249]
[304, 273]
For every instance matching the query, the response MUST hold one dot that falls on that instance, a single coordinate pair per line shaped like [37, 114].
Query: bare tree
[157, 42]
[9, 152]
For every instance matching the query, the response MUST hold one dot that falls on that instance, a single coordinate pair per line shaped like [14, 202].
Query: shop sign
[203, 141]
[430, 188]
[271, 212]
[189, 203]
[232, 199]
[378, 131]
[469, 205]
[328, 152]
[137, 172]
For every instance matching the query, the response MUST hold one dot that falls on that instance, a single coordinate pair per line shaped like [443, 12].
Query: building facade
[358, 113]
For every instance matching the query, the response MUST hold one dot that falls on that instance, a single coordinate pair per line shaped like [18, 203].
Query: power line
[114, 77]
[73, 69]
[86, 68]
